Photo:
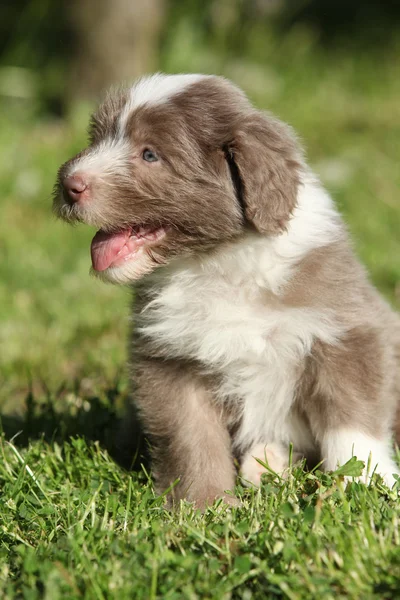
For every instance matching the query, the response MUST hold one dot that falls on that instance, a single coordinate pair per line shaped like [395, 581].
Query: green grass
[74, 524]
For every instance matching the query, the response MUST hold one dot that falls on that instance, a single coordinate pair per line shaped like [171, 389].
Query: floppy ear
[268, 160]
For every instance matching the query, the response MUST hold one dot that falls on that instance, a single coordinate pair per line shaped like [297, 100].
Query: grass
[76, 524]
[73, 525]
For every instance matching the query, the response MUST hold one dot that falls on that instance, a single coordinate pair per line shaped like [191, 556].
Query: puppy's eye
[149, 155]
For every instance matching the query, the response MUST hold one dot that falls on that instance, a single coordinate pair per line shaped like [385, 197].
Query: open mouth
[113, 249]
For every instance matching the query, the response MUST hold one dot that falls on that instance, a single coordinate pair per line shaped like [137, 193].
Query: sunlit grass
[74, 525]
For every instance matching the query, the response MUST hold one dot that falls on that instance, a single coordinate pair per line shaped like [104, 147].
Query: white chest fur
[224, 312]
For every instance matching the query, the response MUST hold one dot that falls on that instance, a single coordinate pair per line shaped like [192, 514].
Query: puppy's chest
[226, 327]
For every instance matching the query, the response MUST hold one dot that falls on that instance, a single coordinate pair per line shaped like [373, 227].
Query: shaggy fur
[255, 325]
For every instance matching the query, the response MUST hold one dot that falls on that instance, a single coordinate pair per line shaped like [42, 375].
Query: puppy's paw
[202, 502]
[225, 501]
[390, 480]
[366, 478]
[275, 455]
[340, 446]
[200, 498]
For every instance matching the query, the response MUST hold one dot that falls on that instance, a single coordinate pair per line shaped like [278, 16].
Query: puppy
[254, 324]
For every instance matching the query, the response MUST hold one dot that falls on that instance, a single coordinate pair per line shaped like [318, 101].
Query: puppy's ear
[268, 159]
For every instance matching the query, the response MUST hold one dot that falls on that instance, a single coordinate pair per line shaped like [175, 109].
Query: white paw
[389, 479]
[341, 445]
[366, 477]
[275, 455]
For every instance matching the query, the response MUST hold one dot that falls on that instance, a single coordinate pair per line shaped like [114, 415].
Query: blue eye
[149, 155]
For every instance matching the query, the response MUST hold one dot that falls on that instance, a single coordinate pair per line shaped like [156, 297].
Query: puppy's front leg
[351, 411]
[189, 438]
[275, 454]
[340, 445]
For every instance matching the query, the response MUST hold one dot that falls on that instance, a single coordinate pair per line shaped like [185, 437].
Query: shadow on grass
[57, 418]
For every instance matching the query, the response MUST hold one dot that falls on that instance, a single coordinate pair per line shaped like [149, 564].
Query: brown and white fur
[254, 324]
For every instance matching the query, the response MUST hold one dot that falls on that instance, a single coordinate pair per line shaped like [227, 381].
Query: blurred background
[329, 68]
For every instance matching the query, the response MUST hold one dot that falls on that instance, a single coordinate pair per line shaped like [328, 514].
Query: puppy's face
[176, 165]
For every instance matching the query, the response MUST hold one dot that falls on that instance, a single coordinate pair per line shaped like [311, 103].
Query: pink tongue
[106, 246]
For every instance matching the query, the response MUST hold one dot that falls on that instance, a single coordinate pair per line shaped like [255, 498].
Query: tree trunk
[115, 41]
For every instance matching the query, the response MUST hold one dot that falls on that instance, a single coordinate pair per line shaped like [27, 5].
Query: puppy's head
[176, 165]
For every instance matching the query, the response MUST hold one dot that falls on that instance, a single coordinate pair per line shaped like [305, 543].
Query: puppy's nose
[75, 187]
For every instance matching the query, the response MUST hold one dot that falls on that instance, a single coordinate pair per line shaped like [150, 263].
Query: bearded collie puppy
[255, 326]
